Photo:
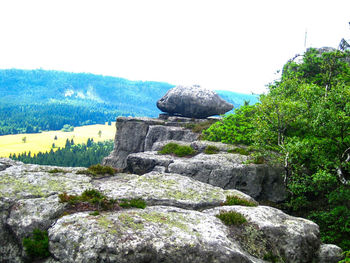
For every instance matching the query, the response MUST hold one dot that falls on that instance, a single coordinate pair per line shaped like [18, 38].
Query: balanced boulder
[193, 102]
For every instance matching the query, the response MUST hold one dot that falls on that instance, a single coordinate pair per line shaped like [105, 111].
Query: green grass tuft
[98, 170]
[138, 203]
[231, 218]
[97, 200]
[37, 246]
[178, 150]
[92, 199]
[56, 170]
[241, 151]
[200, 126]
[210, 149]
[271, 258]
[95, 213]
[234, 200]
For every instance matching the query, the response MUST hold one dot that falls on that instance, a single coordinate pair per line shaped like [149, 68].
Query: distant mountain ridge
[47, 99]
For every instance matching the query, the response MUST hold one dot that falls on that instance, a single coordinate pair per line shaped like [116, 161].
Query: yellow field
[42, 142]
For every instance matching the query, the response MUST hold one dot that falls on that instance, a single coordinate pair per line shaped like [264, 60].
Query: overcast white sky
[220, 44]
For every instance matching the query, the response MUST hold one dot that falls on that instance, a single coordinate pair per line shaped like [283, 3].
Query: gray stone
[130, 138]
[166, 189]
[28, 199]
[224, 170]
[139, 134]
[28, 214]
[193, 102]
[294, 239]
[229, 171]
[158, 133]
[329, 254]
[10, 249]
[25, 181]
[144, 162]
[155, 234]
[173, 228]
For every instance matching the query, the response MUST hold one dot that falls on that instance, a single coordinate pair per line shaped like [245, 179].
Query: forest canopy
[36, 100]
[303, 123]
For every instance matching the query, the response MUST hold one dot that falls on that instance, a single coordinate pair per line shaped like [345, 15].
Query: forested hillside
[303, 123]
[72, 155]
[36, 100]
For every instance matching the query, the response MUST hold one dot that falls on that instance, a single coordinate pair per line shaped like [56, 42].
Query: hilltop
[37, 100]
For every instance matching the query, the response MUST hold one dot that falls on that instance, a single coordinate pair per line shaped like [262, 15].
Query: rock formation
[136, 150]
[178, 225]
[193, 102]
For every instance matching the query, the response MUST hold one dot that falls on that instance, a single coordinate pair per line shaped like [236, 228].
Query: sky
[218, 44]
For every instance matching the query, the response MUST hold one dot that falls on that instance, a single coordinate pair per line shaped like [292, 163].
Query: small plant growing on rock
[138, 203]
[95, 213]
[98, 170]
[37, 246]
[178, 150]
[200, 126]
[56, 170]
[92, 199]
[89, 200]
[231, 218]
[234, 200]
[211, 149]
[271, 258]
[346, 257]
[101, 170]
[241, 151]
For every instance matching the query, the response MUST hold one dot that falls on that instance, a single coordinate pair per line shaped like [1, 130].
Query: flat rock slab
[22, 181]
[166, 189]
[292, 238]
[193, 102]
[155, 234]
[225, 170]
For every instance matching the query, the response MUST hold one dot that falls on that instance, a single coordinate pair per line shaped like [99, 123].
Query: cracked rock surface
[179, 223]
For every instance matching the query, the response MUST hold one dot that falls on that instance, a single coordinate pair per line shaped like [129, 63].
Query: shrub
[234, 200]
[138, 203]
[37, 246]
[347, 257]
[178, 150]
[92, 196]
[237, 128]
[231, 218]
[210, 149]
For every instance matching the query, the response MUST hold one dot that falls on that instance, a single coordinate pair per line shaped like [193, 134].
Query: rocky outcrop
[28, 200]
[139, 134]
[166, 189]
[223, 169]
[193, 102]
[329, 253]
[178, 225]
[138, 140]
[294, 238]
